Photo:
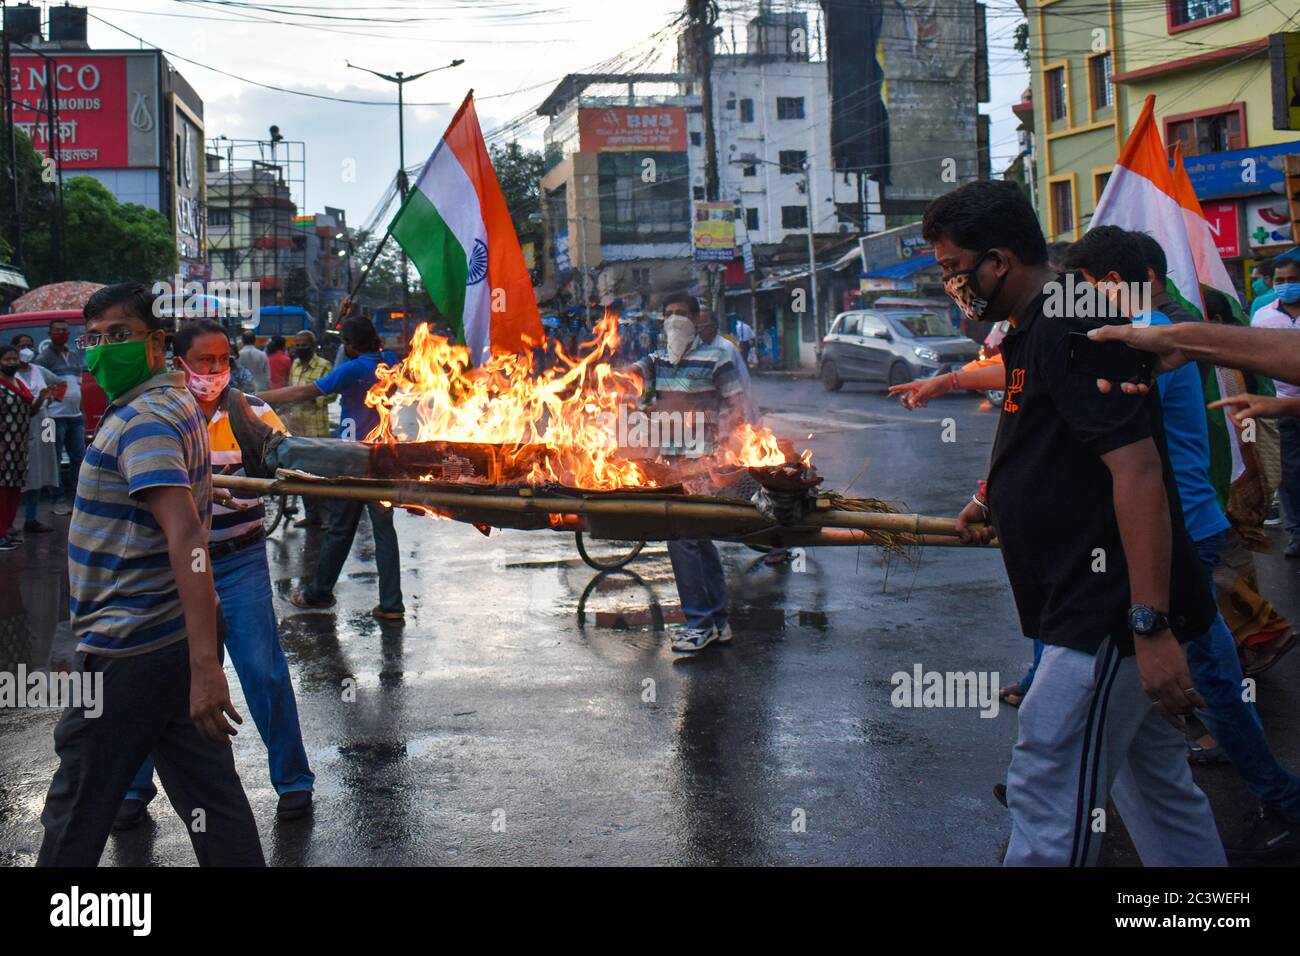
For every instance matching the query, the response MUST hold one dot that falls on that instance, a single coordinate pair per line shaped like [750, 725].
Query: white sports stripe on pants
[1088, 731]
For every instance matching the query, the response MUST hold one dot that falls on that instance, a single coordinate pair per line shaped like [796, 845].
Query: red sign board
[623, 128]
[90, 107]
[1222, 217]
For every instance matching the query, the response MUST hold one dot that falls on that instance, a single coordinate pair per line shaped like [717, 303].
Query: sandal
[1257, 658]
[1007, 693]
[1198, 753]
[298, 599]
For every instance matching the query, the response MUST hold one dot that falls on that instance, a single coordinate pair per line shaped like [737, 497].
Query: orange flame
[435, 394]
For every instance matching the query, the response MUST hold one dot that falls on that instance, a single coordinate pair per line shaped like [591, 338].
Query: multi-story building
[325, 257]
[772, 117]
[125, 117]
[251, 233]
[1207, 64]
[617, 193]
[627, 161]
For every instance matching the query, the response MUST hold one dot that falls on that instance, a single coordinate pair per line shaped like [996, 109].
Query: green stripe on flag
[438, 257]
[1222, 437]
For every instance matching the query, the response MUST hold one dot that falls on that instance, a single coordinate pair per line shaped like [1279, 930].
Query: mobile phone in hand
[1113, 361]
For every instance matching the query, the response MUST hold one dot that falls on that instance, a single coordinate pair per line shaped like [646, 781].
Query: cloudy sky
[514, 52]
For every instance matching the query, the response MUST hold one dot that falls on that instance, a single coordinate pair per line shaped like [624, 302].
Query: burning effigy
[507, 445]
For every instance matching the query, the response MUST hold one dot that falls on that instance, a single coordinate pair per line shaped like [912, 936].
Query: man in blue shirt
[1108, 254]
[351, 380]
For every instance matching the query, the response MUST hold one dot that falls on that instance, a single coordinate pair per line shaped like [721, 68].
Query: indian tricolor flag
[456, 228]
[1143, 193]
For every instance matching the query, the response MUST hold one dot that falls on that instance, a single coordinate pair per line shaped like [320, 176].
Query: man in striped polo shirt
[144, 607]
[243, 579]
[696, 385]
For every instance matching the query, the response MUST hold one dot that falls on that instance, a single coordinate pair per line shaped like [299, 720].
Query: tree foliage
[35, 199]
[103, 240]
[108, 241]
[383, 285]
[519, 171]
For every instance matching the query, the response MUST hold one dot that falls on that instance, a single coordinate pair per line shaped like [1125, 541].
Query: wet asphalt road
[528, 713]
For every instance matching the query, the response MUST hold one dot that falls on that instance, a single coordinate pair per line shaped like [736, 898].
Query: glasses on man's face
[112, 337]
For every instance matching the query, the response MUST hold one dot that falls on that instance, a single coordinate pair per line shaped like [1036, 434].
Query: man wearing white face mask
[237, 547]
[690, 379]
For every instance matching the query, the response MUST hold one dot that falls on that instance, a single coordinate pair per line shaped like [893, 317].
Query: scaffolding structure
[255, 189]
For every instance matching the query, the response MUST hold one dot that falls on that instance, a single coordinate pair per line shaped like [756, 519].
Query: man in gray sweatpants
[1088, 730]
[1083, 499]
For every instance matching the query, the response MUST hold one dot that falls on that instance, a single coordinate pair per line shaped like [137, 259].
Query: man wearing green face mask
[144, 608]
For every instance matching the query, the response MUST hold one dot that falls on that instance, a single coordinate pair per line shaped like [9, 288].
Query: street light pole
[812, 252]
[275, 217]
[401, 79]
[53, 145]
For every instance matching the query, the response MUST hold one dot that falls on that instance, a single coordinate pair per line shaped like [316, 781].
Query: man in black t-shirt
[1108, 581]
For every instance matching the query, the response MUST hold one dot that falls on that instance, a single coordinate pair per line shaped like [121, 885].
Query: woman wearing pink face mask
[237, 545]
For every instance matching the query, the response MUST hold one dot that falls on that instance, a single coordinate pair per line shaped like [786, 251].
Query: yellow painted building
[1093, 63]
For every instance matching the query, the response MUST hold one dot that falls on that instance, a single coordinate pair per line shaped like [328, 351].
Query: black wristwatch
[1145, 620]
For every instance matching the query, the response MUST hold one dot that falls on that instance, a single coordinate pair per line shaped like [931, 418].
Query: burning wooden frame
[491, 486]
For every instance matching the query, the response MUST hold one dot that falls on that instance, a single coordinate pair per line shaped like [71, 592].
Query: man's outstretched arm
[1274, 353]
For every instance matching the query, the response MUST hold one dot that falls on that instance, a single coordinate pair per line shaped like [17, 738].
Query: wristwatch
[1145, 620]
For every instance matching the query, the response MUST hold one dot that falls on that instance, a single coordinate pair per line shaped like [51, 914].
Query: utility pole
[12, 133]
[55, 156]
[703, 17]
[275, 216]
[401, 79]
[812, 252]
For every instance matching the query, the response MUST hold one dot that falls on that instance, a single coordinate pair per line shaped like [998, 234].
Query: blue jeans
[1027, 681]
[342, 518]
[253, 643]
[70, 436]
[701, 583]
[1235, 724]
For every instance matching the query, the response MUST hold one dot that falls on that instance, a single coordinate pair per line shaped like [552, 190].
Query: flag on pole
[1141, 195]
[456, 228]
[1144, 194]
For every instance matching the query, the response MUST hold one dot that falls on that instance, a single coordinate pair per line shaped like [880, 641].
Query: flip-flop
[297, 600]
[1260, 658]
[1205, 755]
[1014, 690]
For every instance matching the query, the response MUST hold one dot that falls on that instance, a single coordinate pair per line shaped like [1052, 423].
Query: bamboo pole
[853, 537]
[921, 527]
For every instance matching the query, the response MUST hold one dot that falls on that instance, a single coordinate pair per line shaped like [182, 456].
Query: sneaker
[61, 508]
[1273, 837]
[129, 814]
[293, 805]
[723, 633]
[7, 543]
[689, 639]
[35, 527]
